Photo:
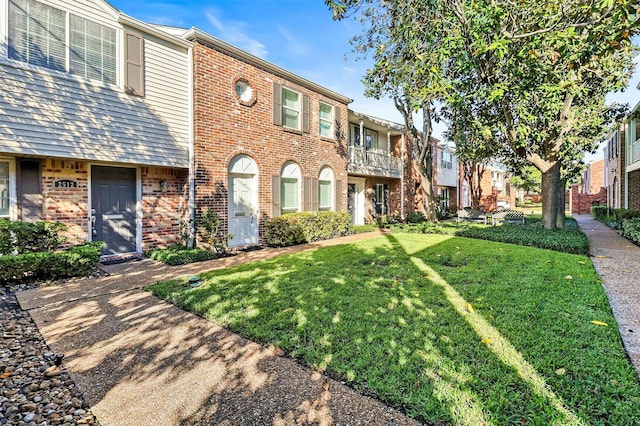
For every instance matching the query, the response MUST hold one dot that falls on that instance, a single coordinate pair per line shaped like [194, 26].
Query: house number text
[65, 183]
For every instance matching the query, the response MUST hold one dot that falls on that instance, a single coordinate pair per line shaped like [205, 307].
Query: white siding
[167, 85]
[47, 114]
[95, 10]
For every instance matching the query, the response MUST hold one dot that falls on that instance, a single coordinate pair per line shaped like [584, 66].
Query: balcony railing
[374, 163]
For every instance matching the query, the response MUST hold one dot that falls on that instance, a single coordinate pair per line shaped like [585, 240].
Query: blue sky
[298, 35]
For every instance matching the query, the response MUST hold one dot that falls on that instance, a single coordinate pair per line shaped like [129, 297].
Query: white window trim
[13, 206]
[4, 29]
[326, 175]
[291, 170]
[331, 121]
[299, 110]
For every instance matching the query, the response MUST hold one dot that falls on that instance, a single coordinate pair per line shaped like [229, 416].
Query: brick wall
[581, 203]
[164, 211]
[634, 189]
[67, 205]
[226, 127]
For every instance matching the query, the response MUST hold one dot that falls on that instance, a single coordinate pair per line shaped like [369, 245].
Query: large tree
[534, 75]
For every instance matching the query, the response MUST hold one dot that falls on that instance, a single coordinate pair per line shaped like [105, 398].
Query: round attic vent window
[244, 92]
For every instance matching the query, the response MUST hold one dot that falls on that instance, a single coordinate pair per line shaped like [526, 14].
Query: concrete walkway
[142, 361]
[616, 260]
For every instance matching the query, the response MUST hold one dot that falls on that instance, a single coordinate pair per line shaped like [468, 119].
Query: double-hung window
[291, 110]
[446, 160]
[325, 189]
[39, 35]
[326, 120]
[290, 188]
[92, 50]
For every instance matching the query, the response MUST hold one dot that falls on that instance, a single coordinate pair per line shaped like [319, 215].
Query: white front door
[243, 221]
[356, 200]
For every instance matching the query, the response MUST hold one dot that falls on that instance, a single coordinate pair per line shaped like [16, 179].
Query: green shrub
[180, 255]
[209, 224]
[568, 240]
[30, 237]
[75, 261]
[624, 214]
[416, 217]
[305, 227]
[631, 230]
[599, 212]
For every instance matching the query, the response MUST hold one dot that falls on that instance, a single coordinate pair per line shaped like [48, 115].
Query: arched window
[325, 190]
[290, 188]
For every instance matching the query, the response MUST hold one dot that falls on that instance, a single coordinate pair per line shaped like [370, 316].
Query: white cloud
[292, 43]
[235, 32]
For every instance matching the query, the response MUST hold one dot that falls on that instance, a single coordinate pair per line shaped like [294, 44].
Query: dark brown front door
[113, 208]
[29, 190]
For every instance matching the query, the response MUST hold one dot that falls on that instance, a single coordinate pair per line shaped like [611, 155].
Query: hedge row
[30, 237]
[75, 261]
[178, 255]
[306, 227]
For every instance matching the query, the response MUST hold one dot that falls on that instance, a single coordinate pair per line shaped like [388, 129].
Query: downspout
[192, 160]
[402, 148]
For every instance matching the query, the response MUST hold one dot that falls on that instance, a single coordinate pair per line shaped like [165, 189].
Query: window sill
[327, 139]
[294, 131]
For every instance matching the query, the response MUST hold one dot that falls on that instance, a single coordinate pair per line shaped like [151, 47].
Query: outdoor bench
[511, 216]
[472, 215]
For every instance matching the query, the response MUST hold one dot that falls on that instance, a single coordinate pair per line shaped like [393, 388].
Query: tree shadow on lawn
[426, 325]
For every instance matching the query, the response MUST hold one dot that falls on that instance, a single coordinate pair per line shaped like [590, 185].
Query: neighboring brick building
[495, 188]
[614, 165]
[266, 140]
[592, 190]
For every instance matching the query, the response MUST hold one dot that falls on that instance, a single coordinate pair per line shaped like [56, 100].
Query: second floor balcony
[370, 162]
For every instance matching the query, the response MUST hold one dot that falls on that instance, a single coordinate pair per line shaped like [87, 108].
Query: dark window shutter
[134, 64]
[338, 195]
[315, 193]
[277, 104]
[275, 195]
[306, 196]
[305, 114]
[338, 124]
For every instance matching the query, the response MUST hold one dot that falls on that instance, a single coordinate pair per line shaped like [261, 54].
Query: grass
[445, 328]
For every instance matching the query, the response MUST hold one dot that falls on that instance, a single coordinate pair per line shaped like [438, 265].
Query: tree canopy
[523, 80]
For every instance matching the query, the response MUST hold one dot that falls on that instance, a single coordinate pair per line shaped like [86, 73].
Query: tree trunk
[551, 184]
[560, 213]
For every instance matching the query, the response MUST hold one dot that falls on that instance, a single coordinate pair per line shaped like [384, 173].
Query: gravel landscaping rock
[33, 391]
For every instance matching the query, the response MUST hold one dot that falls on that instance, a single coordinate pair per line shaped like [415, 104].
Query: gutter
[194, 34]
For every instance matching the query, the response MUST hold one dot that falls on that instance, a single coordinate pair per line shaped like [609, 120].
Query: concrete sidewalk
[142, 361]
[616, 260]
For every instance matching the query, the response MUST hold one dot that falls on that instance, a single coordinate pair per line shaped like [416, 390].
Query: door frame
[253, 172]
[138, 201]
[359, 207]
[13, 189]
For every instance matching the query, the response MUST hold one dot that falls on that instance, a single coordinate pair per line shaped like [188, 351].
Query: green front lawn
[445, 328]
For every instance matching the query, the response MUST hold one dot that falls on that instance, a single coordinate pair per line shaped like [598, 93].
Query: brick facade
[591, 191]
[67, 205]
[614, 157]
[634, 189]
[163, 212]
[165, 209]
[226, 127]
